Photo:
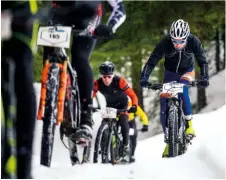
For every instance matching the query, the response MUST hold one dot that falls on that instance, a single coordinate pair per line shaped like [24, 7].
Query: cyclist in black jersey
[85, 15]
[116, 91]
[179, 49]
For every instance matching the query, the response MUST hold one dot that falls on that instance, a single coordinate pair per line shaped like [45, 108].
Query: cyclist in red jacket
[115, 90]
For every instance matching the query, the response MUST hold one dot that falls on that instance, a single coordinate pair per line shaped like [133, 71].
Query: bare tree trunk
[135, 73]
[223, 39]
[201, 97]
[217, 56]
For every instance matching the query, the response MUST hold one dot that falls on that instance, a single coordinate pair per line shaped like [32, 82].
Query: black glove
[144, 81]
[144, 128]
[204, 82]
[103, 31]
[145, 75]
[133, 109]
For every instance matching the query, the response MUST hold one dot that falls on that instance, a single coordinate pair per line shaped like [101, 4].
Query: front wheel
[173, 130]
[50, 115]
[100, 142]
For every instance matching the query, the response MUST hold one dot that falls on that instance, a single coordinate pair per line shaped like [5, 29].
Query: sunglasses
[107, 76]
[175, 41]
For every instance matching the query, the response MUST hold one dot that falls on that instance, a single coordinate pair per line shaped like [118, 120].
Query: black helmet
[107, 68]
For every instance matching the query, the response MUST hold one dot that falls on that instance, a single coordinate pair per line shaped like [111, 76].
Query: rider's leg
[123, 122]
[81, 50]
[132, 124]
[186, 79]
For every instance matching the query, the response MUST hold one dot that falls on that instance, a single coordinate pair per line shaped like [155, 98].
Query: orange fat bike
[59, 97]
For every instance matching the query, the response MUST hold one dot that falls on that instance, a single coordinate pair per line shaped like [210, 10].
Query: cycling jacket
[116, 93]
[117, 17]
[178, 61]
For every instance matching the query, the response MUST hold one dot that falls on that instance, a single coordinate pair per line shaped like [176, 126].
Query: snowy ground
[204, 159]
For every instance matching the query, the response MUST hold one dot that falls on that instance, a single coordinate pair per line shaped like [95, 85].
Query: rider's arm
[118, 14]
[200, 56]
[153, 60]
[95, 21]
[95, 89]
[142, 115]
[128, 90]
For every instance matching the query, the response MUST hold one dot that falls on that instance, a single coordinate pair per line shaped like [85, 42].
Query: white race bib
[6, 21]
[54, 36]
[131, 131]
[172, 88]
[109, 113]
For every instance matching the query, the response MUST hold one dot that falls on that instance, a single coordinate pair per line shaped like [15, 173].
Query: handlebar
[158, 86]
[118, 110]
[122, 110]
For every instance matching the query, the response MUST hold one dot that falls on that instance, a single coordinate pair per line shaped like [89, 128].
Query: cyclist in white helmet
[178, 48]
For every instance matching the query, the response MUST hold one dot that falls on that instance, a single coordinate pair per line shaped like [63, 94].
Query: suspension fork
[179, 103]
[169, 102]
[111, 125]
[42, 101]
[61, 93]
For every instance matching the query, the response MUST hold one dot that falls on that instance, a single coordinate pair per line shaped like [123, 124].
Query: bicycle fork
[61, 93]
[181, 123]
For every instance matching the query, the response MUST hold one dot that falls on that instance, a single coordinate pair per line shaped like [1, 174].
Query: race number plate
[54, 36]
[172, 88]
[131, 131]
[109, 113]
[6, 20]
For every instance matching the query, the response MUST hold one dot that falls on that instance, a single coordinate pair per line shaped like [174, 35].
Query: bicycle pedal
[190, 137]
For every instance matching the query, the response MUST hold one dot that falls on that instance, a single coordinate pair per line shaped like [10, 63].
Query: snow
[205, 158]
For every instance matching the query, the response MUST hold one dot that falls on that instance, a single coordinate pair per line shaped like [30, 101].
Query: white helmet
[179, 29]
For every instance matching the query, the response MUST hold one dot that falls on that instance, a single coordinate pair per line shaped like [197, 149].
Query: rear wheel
[50, 115]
